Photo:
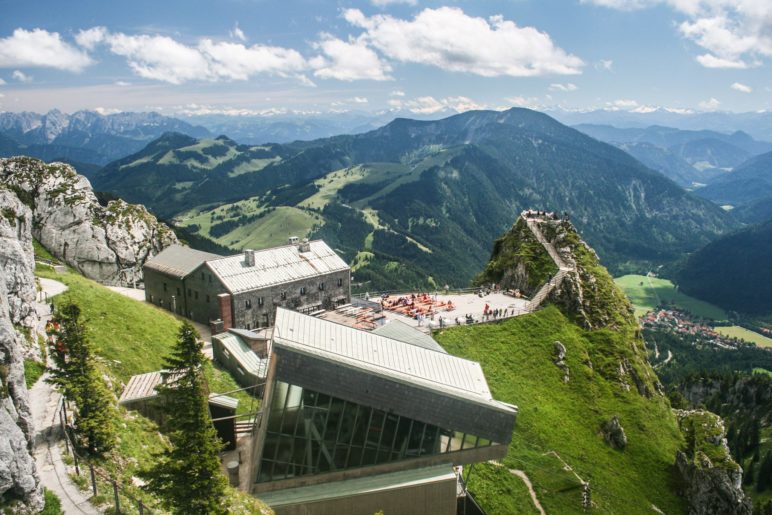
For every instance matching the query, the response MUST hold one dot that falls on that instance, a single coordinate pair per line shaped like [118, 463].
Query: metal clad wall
[391, 396]
[437, 498]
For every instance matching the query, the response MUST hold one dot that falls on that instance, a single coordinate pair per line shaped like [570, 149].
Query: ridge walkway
[563, 269]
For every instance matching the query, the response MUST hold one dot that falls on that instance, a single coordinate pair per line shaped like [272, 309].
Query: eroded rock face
[713, 479]
[109, 244]
[560, 360]
[18, 475]
[614, 433]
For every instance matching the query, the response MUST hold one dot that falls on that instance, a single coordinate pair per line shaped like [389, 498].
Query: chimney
[226, 315]
[304, 246]
[293, 240]
[249, 257]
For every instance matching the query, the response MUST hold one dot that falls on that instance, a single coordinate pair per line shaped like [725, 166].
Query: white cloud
[90, 38]
[735, 33]
[237, 33]
[104, 111]
[21, 76]
[2, 82]
[521, 101]
[709, 105]
[122, 83]
[567, 87]
[605, 65]
[386, 3]
[164, 59]
[360, 100]
[431, 105]
[40, 48]
[397, 93]
[348, 60]
[742, 88]
[622, 104]
[449, 39]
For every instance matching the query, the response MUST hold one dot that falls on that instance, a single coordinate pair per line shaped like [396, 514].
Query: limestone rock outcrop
[614, 433]
[713, 479]
[560, 360]
[19, 480]
[109, 244]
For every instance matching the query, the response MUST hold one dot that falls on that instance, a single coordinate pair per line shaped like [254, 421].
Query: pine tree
[76, 375]
[748, 477]
[188, 476]
[764, 476]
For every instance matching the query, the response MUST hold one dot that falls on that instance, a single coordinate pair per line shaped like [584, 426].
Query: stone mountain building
[244, 290]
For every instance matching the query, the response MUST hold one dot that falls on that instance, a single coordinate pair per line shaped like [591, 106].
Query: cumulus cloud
[165, 59]
[735, 33]
[21, 76]
[742, 88]
[709, 105]
[431, 105]
[348, 60]
[397, 93]
[40, 48]
[450, 39]
[567, 87]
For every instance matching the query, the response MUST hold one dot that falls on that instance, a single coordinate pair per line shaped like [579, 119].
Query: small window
[202, 276]
[248, 327]
[190, 292]
[248, 303]
[164, 286]
[302, 290]
[321, 286]
[210, 278]
[196, 292]
[207, 298]
[284, 295]
[340, 282]
[259, 301]
[178, 292]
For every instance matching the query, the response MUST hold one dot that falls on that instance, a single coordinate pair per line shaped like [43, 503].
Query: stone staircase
[563, 269]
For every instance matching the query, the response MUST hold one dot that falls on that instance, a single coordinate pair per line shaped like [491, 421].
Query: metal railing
[94, 471]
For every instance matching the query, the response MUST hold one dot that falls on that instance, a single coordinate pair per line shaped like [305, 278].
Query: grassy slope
[654, 291]
[132, 338]
[517, 359]
[735, 331]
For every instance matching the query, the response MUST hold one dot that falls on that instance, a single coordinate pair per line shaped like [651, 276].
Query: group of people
[417, 306]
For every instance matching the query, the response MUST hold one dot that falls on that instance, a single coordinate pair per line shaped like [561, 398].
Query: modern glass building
[349, 409]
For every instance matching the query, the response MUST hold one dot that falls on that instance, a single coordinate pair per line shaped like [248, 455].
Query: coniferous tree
[764, 476]
[749, 476]
[76, 375]
[187, 476]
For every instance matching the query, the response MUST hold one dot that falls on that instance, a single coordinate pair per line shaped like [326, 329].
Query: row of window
[311, 433]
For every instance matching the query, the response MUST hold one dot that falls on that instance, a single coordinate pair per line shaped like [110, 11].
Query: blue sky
[314, 56]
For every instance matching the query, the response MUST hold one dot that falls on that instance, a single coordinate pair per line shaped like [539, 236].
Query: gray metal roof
[380, 355]
[276, 265]
[397, 330]
[178, 261]
[223, 401]
[242, 352]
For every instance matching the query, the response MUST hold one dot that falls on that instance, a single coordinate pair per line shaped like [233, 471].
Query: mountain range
[692, 158]
[748, 186]
[84, 136]
[418, 199]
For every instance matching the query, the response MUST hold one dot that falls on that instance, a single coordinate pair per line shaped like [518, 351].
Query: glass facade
[311, 433]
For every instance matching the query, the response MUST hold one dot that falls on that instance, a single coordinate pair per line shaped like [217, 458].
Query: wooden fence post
[115, 495]
[93, 478]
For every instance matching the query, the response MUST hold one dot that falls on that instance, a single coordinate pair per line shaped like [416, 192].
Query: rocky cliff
[18, 477]
[109, 244]
[713, 480]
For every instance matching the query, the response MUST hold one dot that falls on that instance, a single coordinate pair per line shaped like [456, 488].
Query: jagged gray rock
[713, 483]
[18, 475]
[560, 357]
[614, 433]
[109, 244]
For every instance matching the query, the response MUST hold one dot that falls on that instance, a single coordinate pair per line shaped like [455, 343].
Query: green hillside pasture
[207, 162]
[647, 292]
[272, 229]
[254, 165]
[330, 184]
[132, 337]
[735, 331]
[517, 358]
[202, 217]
